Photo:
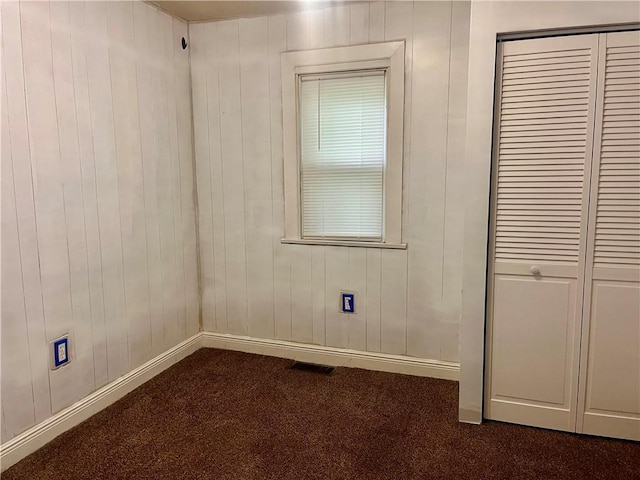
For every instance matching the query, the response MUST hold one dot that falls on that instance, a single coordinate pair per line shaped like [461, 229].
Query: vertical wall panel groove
[47, 182]
[298, 38]
[73, 197]
[201, 63]
[127, 133]
[115, 28]
[157, 177]
[217, 176]
[25, 211]
[181, 65]
[17, 373]
[358, 283]
[104, 154]
[149, 156]
[256, 151]
[233, 175]
[79, 44]
[281, 275]
[171, 45]
[165, 200]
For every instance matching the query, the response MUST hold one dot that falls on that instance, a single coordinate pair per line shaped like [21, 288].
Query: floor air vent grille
[312, 367]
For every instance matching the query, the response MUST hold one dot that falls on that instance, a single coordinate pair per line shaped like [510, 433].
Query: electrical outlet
[59, 352]
[347, 302]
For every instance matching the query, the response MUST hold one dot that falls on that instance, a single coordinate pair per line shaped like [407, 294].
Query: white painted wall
[98, 237]
[98, 222]
[488, 19]
[409, 302]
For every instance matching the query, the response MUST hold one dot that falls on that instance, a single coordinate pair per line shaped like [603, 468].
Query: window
[342, 131]
[343, 116]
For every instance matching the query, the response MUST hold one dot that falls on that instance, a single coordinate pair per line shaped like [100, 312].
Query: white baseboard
[28, 442]
[337, 357]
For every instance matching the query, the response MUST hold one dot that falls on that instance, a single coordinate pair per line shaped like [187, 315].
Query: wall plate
[59, 352]
[348, 302]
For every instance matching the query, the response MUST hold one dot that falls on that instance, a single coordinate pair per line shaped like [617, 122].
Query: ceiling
[193, 11]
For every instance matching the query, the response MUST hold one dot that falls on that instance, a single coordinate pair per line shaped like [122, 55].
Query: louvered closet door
[543, 145]
[610, 365]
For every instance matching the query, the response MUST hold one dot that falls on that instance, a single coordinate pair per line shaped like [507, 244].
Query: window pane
[342, 135]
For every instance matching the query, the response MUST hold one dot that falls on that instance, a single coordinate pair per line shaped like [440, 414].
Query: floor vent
[312, 367]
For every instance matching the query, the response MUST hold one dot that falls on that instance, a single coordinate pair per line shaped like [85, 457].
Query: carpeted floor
[228, 415]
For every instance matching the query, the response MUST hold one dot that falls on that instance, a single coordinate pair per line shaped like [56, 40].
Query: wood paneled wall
[98, 222]
[408, 302]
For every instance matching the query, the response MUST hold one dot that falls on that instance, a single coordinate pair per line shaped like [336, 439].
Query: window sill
[343, 243]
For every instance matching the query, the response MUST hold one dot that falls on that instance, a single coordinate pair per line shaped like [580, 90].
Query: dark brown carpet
[228, 415]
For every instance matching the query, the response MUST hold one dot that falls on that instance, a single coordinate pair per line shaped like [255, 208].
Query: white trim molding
[390, 56]
[36, 437]
[337, 357]
[344, 243]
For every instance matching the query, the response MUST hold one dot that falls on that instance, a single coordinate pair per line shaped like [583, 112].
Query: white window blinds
[342, 126]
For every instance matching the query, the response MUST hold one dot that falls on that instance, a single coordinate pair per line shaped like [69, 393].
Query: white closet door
[546, 100]
[610, 366]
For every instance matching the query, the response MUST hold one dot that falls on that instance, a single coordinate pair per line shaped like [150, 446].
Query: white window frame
[389, 56]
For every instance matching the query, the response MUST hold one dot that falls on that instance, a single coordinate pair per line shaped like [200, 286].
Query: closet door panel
[613, 348]
[530, 336]
[542, 153]
[609, 401]
[611, 379]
